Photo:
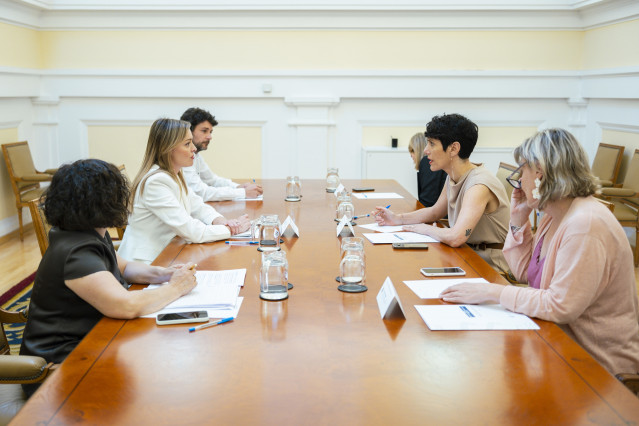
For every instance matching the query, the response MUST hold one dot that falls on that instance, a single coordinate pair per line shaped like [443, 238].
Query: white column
[44, 137]
[312, 146]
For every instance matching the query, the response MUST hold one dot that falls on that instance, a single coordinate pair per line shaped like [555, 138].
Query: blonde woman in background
[429, 183]
[578, 265]
[163, 206]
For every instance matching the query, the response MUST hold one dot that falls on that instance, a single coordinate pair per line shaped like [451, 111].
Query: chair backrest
[40, 224]
[631, 180]
[608, 204]
[503, 172]
[19, 162]
[8, 317]
[607, 162]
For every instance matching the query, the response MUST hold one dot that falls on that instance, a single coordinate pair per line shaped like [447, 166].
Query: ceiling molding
[381, 15]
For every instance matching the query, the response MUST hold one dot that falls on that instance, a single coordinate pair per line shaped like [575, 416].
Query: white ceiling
[317, 14]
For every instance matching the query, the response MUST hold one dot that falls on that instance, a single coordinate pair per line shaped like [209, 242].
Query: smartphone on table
[182, 317]
[410, 246]
[442, 272]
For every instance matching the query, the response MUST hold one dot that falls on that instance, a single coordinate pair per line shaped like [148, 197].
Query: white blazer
[163, 212]
[211, 187]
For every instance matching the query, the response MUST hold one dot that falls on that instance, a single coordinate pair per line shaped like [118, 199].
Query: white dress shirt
[161, 213]
[211, 187]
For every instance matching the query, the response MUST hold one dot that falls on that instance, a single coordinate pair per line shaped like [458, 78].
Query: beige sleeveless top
[492, 227]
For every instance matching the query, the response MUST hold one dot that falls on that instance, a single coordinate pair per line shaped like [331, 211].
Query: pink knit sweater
[587, 285]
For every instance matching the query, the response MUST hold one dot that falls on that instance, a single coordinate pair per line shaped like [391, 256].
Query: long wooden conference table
[323, 356]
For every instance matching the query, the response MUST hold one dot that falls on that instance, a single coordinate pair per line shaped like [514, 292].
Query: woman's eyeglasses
[515, 176]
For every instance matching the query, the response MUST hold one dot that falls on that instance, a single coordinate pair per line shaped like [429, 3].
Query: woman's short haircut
[562, 162]
[449, 128]
[416, 145]
[196, 116]
[87, 194]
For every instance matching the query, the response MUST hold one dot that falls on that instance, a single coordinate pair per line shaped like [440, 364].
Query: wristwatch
[514, 228]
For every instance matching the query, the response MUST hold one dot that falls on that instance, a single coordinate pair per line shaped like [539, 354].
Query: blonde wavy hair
[417, 144]
[164, 136]
[562, 162]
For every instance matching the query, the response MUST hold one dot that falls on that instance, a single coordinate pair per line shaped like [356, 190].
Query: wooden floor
[19, 259]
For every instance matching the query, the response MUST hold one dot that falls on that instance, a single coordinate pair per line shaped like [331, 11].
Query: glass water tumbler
[332, 179]
[345, 208]
[269, 233]
[352, 270]
[293, 188]
[274, 276]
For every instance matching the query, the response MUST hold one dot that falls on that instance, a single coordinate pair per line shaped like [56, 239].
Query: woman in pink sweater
[578, 265]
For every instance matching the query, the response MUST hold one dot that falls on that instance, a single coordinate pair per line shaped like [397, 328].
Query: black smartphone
[363, 189]
[182, 317]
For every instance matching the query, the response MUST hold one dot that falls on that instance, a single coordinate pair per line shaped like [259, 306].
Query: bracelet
[514, 228]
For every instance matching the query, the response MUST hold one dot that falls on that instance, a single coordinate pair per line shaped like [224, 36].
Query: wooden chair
[16, 370]
[25, 179]
[626, 200]
[40, 224]
[503, 172]
[607, 163]
[631, 381]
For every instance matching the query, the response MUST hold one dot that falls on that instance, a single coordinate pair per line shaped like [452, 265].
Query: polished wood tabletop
[323, 356]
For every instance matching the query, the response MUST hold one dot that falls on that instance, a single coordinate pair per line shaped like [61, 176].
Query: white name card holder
[388, 302]
[342, 223]
[289, 222]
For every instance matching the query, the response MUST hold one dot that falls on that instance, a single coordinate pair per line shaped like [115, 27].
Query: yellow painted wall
[7, 199]
[488, 136]
[439, 50]
[626, 139]
[235, 152]
[612, 46]
[19, 47]
[119, 145]
[605, 47]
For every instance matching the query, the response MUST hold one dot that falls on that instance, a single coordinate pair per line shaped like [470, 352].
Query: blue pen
[387, 207]
[241, 243]
[398, 237]
[467, 312]
[210, 324]
[357, 217]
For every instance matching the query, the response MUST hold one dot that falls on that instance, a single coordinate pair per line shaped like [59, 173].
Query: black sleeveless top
[429, 183]
[58, 318]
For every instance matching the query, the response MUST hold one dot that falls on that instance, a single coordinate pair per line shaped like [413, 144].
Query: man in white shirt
[199, 176]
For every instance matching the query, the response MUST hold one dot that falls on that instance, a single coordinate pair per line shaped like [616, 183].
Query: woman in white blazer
[163, 206]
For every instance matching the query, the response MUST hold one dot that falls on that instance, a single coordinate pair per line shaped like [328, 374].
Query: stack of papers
[376, 195]
[431, 289]
[473, 317]
[216, 292]
[399, 237]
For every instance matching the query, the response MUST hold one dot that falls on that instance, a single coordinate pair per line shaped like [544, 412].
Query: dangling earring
[535, 192]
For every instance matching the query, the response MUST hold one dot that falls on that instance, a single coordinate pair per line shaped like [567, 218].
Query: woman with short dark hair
[81, 278]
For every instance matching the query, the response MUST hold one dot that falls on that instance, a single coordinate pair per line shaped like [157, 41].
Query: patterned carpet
[16, 299]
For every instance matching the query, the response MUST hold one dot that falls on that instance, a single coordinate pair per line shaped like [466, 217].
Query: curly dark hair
[87, 194]
[449, 128]
[196, 116]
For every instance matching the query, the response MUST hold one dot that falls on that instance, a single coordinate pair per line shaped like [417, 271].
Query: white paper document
[258, 198]
[473, 317]
[212, 313]
[376, 195]
[243, 235]
[431, 289]
[386, 228]
[399, 237]
[214, 289]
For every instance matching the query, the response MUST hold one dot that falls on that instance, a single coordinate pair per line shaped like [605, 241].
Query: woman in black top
[429, 183]
[81, 277]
